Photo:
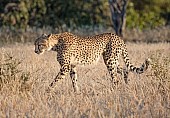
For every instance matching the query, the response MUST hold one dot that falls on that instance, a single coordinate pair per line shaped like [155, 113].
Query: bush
[21, 14]
[160, 70]
[160, 66]
[147, 17]
[39, 13]
[11, 76]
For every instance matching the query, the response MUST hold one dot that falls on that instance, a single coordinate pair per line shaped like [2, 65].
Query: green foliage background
[21, 14]
[148, 13]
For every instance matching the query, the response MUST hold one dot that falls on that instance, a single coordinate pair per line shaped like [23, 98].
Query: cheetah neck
[54, 39]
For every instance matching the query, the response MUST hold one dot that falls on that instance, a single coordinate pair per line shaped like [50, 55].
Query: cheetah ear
[49, 36]
[44, 35]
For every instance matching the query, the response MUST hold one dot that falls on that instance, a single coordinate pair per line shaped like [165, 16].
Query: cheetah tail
[134, 69]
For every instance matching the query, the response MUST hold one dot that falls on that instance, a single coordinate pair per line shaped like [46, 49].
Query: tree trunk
[118, 15]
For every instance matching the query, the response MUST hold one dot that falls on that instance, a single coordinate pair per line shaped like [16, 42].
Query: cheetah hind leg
[112, 69]
[123, 72]
[115, 80]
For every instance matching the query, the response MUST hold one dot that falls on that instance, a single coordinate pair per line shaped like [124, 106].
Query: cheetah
[73, 50]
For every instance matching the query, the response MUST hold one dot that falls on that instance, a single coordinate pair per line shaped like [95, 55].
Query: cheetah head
[43, 44]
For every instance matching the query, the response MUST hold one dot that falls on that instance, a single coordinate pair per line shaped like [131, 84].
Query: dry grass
[146, 95]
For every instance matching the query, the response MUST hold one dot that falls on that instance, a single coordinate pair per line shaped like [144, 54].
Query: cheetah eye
[41, 46]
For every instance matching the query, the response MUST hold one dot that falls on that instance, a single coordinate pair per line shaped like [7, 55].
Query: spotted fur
[73, 50]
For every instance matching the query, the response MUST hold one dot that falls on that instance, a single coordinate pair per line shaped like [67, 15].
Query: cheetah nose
[36, 51]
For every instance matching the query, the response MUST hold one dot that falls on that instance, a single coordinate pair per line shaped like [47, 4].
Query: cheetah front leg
[73, 75]
[65, 69]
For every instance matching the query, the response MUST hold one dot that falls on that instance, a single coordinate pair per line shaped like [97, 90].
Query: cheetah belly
[84, 60]
[86, 54]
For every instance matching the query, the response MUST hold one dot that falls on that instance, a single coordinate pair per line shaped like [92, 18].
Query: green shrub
[22, 13]
[142, 18]
[76, 13]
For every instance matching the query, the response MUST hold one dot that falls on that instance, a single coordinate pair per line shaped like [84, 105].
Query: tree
[118, 14]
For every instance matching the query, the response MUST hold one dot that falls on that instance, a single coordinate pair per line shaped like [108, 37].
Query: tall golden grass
[24, 77]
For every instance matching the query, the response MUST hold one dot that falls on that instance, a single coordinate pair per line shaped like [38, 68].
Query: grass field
[24, 77]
